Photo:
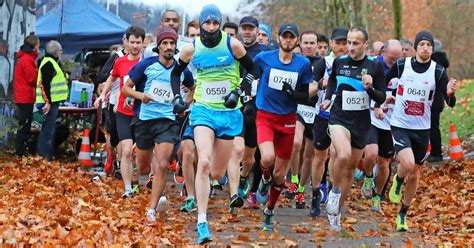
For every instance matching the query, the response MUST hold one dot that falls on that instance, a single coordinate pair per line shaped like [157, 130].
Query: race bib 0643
[354, 100]
[416, 92]
[277, 77]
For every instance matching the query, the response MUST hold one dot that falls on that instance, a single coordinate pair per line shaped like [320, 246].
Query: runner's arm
[442, 84]
[379, 85]
[246, 62]
[185, 57]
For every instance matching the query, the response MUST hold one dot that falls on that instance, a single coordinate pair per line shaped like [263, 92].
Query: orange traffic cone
[455, 149]
[85, 152]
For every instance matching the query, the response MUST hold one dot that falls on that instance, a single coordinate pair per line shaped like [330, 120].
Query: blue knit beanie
[210, 12]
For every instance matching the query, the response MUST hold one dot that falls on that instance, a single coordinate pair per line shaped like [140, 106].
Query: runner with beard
[285, 80]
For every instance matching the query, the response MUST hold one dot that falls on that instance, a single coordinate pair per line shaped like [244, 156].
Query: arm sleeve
[115, 70]
[332, 82]
[319, 68]
[176, 74]
[105, 71]
[188, 78]
[252, 73]
[48, 73]
[379, 86]
[442, 85]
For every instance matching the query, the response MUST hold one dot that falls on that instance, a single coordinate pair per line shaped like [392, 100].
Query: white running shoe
[332, 207]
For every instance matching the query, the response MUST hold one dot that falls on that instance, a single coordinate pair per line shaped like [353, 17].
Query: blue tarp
[85, 24]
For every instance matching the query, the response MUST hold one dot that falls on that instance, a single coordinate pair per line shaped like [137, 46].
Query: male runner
[215, 117]
[354, 79]
[420, 79]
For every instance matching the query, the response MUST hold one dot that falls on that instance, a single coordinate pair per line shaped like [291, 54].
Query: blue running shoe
[262, 191]
[204, 236]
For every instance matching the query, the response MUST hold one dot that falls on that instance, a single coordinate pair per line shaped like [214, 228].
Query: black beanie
[424, 35]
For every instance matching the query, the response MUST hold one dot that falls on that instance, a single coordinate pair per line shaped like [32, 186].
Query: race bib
[161, 92]
[307, 113]
[416, 92]
[277, 77]
[354, 100]
[215, 91]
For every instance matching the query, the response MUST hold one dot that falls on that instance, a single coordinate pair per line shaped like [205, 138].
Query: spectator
[24, 81]
[51, 89]
[230, 28]
[4, 68]
[192, 30]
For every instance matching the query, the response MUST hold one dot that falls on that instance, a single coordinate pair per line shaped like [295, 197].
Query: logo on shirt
[222, 58]
[345, 72]
[290, 125]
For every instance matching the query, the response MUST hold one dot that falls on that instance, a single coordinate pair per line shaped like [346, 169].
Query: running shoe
[292, 191]
[316, 205]
[150, 218]
[109, 163]
[236, 201]
[335, 221]
[252, 199]
[204, 236]
[163, 204]
[375, 204]
[262, 191]
[402, 225]
[366, 189]
[267, 220]
[396, 191]
[172, 166]
[216, 185]
[189, 205]
[332, 207]
[136, 189]
[223, 180]
[117, 173]
[244, 187]
[299, 201]
[127, 194]
[358, 174]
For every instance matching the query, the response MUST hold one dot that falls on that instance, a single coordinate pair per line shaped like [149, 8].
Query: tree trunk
[397, 19]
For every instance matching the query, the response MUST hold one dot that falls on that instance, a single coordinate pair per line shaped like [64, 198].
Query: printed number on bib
[277, 77]
[307, 113]
[215, 91]
[354, 100]
[161, 92]
[416, 93]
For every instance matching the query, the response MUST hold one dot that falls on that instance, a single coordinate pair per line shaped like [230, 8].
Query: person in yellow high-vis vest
[51, 89]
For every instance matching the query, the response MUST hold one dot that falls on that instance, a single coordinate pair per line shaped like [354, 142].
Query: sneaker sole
[162, 206]
[237, 203]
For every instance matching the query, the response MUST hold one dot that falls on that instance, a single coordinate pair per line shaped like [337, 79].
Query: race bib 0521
[354, 100]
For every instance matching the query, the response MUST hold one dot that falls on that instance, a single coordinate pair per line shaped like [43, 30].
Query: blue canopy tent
[80, 24]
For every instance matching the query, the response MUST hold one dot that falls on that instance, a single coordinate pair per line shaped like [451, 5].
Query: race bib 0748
[354, 100]
[277, 77]
[161, 92]
[215, 91]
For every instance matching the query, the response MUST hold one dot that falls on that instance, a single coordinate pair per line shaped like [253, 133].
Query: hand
[179, 106]
[46, 108]
[146, 98]
[115, 108]
[287, 88]
[98, 101]
[231, 100]
[452, 87]
[127, 105]
[378, 112]
[325, 104]
[184, 88]
[390, 99]
[366, 80]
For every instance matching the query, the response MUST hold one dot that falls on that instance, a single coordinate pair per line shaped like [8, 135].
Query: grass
[461, 115]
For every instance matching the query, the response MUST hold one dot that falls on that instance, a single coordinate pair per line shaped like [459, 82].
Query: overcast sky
[193, 7]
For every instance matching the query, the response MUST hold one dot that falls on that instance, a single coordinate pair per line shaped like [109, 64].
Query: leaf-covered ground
[60, 204]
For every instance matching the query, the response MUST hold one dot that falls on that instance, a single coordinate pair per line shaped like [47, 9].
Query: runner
[323, 45]
[285, 79]
[155, 127]
[355, 79]
[245, 144]
[215, 117]
[419, 79]
[306, 113]
[379, 148]
[125, 114]
[321, 140]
